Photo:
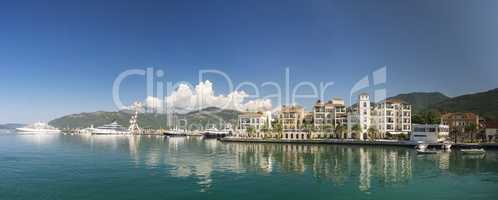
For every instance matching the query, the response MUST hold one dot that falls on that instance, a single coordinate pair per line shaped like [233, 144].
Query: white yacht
[38, 127]
[111, 129]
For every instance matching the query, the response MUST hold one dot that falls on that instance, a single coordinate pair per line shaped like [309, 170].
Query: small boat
[473, 151]
[446, 146]
[426, 151]
[38, 127]
[422, 146]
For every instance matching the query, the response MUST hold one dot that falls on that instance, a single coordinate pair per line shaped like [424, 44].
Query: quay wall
[409, 144]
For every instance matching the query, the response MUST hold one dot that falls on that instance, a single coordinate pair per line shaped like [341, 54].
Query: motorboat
[215, 133]
[38, 127]
[111, 129]
[473, 151]
[175, 133]
[422, 146]
[447, 146]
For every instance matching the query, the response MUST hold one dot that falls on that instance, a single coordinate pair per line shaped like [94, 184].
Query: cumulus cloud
[185, 99]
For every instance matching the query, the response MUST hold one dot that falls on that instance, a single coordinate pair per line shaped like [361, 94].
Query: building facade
[392, 116]
[255, 120]
[491, 131]
[291, 117]
[329, 114]
[430, 133]
[388, 117]
[458, 121]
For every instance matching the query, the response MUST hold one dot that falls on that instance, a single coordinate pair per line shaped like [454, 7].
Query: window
[419, 130]
[419, 135]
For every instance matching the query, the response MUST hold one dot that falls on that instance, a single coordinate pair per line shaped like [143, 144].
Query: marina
[191, 168]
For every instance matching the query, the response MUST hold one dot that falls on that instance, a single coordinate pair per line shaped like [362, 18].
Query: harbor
[193, 167]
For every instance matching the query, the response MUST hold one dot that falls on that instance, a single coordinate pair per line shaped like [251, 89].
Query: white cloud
[185, 99]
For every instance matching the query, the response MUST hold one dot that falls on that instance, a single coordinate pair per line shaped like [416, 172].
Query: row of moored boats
[116, 129]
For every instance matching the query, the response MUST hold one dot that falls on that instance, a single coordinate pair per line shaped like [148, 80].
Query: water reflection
[205, 160]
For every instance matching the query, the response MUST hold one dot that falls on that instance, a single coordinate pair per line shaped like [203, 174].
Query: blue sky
[61, 57]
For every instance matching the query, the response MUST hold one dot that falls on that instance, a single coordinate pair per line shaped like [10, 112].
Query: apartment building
[291, 117]
[329, 114]
[388, 117]
[392, 116]
[458, 121]
[255, 120]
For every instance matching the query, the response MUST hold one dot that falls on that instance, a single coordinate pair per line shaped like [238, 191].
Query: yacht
[38, 127]
[111, 129]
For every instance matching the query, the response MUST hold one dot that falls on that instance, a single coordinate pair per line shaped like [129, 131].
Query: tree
[417, 119]
[372, 133]
[471, 128]
[251, 130]
[356, 130]
[278, 129]
[340, 130]
[454, 133]
[432, 118]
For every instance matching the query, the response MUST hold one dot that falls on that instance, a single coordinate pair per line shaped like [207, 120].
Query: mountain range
[204, 117]
[482, 103]
[11, 126]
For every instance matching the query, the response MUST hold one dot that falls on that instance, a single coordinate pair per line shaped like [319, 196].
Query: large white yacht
[38, 127]
[111, 129]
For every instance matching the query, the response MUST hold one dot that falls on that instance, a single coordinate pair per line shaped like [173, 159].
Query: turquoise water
[142, 167]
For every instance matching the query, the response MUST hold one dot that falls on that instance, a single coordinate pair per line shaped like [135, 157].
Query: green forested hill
[146, 120]
[420, 101]
[482, 103]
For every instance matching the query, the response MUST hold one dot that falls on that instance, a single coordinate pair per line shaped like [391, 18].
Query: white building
[491, 131]
[364, 115]
[388, 117]
[392, 116]
[329, 114]
[430, 133]
[256, 120]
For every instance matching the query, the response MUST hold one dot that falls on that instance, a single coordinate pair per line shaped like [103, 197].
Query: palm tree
[454, 134]
[471, 128]
[251, 130]
[340, 130]
[278, 129]
[372, 133]
[357, 130]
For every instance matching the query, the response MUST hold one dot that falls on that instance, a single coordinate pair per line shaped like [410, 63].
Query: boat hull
[426, 152]
[31, 130]
[175, 134]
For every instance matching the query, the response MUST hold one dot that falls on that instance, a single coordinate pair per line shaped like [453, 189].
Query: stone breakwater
[410, 144]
